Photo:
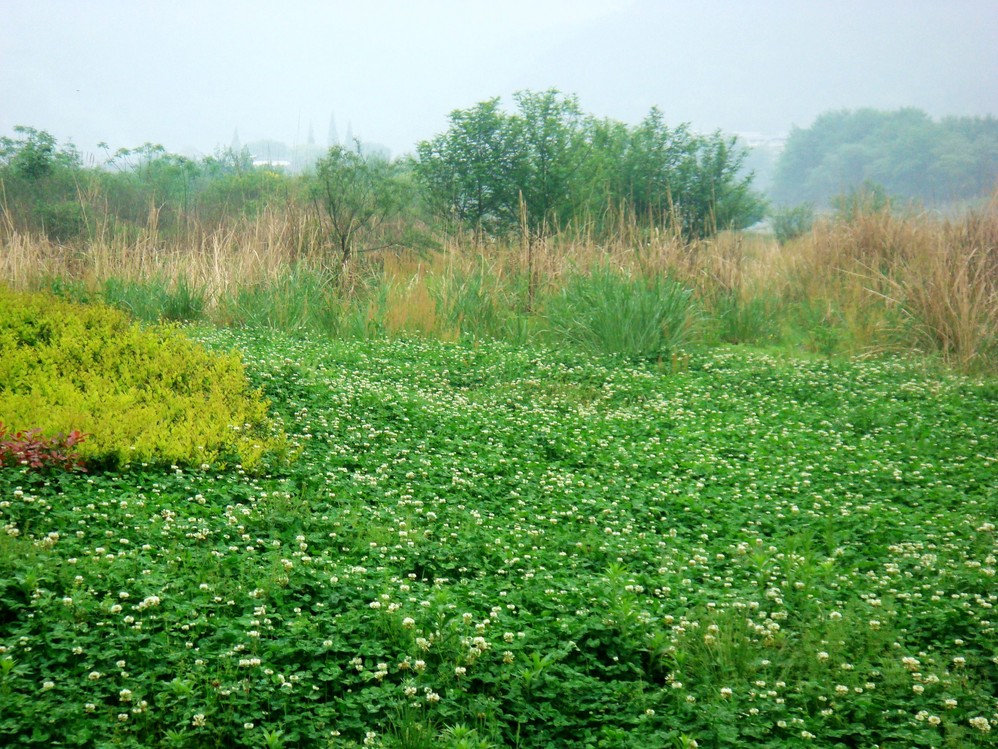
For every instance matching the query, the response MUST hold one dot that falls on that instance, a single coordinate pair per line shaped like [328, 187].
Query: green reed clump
[613, 312]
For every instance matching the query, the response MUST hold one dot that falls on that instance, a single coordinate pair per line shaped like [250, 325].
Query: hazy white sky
[187, 73]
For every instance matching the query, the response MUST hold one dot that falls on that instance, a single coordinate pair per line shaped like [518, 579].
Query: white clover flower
[981, 724]
[460, 671]
[726, 692]
[198, 720]
[408, 622]
[47, 685]
[125, 695]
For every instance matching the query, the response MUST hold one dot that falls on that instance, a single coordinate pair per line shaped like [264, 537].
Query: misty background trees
[540, 165]
[903, 152]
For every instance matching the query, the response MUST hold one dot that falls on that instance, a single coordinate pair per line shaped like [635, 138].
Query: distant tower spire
[334, 137]
[311, 135]
[236, 145]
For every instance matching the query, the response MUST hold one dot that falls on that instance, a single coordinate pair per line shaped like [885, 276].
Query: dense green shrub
[142, 394]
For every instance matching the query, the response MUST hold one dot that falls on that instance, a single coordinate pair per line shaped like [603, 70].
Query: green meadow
[482, 544]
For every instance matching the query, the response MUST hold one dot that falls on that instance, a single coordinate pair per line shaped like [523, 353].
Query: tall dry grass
[880, 281]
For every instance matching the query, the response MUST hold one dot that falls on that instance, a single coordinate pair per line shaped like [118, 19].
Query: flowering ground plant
[489, 546]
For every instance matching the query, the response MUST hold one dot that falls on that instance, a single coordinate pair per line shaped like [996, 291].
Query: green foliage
[469, 171]
[143, 395]
[549, 164]
[40, 189]
[156, 300]
[299, 300]
[866, 199]
[35, 155]
[610, 312]
[488, 546]
[737, 318]
[904, 150]
[791, 223]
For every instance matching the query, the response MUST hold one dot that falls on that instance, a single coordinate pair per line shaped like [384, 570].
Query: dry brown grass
[883, 280]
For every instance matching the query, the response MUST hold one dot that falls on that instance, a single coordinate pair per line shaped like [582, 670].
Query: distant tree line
[546, 166]
[904, 152]
[47, 189]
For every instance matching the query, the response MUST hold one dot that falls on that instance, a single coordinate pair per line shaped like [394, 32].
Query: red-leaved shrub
[30, 448]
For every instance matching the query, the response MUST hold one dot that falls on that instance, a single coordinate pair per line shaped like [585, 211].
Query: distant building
[272, 163]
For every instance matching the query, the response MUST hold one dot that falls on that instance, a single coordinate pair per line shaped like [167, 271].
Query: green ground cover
[484, 546]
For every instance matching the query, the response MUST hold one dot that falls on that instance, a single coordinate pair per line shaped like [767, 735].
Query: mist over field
[192, 75]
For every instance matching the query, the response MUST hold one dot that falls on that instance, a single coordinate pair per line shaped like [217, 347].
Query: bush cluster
[143, 394]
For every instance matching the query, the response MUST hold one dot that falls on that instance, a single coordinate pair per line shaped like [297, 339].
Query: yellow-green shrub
[140, 394]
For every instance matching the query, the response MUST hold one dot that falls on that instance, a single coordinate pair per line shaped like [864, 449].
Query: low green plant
[611, 312]
[300, 299]
[736, 318]
[157, 299]
[143, 394]
[789, 223]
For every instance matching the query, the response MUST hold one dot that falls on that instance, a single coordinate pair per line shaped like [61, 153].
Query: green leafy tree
[41, 184]
[548, 164]
[550, 134]
[694, 183]
[357, 196]
[469, 170]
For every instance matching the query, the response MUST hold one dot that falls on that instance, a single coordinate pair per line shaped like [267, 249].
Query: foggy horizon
[188, 75]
